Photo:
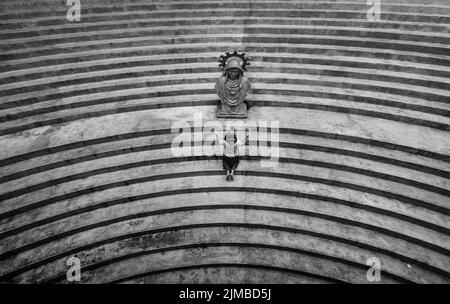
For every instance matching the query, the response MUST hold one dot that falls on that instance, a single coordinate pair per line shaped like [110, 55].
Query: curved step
[88, 169]
[197, 216]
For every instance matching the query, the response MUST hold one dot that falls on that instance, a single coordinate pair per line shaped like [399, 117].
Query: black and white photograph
[245, 144]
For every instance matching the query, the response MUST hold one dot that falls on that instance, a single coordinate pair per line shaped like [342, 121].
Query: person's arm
[219, 140]
[240, 143]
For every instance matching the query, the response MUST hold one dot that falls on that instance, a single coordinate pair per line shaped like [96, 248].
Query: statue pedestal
[227, 111]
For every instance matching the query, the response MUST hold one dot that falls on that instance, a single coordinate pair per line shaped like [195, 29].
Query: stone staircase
[87, 170]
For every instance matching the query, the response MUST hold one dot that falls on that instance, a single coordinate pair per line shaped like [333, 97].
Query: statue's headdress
[234, 60]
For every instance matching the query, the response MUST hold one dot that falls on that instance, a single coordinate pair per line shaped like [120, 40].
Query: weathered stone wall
[87, 170]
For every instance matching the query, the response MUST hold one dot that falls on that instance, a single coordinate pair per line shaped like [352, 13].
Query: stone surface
[87, 169]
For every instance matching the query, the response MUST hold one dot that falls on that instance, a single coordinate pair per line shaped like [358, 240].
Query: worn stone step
[61, 156]
[375, 75]
[406, 96]
[181, 104]
[233, 215]
[132, 87]
[388, 181]
[382, 71]
[189, 235]
[47, 3]
[308, 107]
[232, 35]
[352, 275]
[114, 20]
[364, 150]
[144, 29]
[261, 257]
[223, 274]
[19, 177]
[416, 13]
[376, 66]
[16, 30]
[79, 216]
[67, 55]
[378, 130]
[267, 100]
[400, 5]
[198, 75]
[118, 21]
[51, 201]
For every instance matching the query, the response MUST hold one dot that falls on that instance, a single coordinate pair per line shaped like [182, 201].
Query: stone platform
[87, 170]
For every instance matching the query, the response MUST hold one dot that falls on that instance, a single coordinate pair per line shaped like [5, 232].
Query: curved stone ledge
[196, 75]
[261, 256]
[289, 152]
[261, 71]
[372, 150]
[98, 164]
[62, 56]
[372, 132]
[142, 108]
[142, 29]
[188, 10]
[60, 68]
[263, 94]
[141, 241]
[160, 216]
[392, 6]
[298, 40]
[266, 249]
[87, 169]
[431, 201]
[136, 18]
[433, 115]
[224, 274]
[76, 203]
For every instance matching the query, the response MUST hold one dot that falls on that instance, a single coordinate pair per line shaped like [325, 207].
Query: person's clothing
[230, 150]
[230, 163]
[230, 158]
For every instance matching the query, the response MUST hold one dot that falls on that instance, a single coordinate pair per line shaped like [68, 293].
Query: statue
[232, 87]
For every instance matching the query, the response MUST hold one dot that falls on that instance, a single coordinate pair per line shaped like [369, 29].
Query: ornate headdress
[234, 60]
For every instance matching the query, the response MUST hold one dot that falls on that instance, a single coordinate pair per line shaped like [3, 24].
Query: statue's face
[233, 73]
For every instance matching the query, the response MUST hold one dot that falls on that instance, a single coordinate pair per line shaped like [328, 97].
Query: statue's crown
[224, 59]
